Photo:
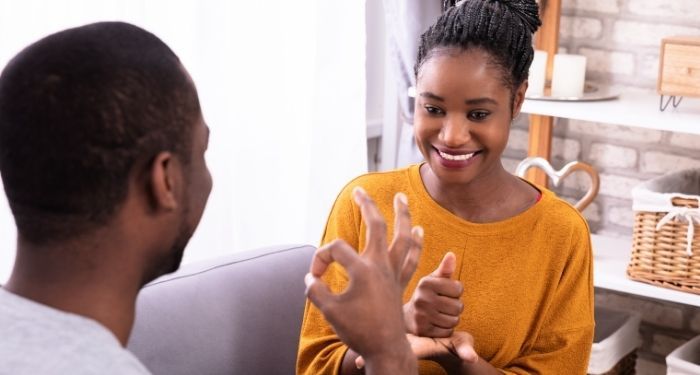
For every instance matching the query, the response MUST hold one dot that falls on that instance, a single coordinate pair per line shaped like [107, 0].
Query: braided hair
[503, 28]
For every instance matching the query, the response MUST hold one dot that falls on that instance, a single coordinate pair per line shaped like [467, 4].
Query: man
[102, 146]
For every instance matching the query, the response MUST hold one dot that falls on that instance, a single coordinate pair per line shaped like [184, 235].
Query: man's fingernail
[357, 193]
[309, 279]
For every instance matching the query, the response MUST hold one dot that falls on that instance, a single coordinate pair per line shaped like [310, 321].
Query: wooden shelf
[611, 256]
[630, 109]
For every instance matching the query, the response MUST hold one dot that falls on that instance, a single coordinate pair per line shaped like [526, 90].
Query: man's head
[93, 118]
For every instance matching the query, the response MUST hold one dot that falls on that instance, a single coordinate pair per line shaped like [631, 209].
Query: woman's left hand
[449, 352]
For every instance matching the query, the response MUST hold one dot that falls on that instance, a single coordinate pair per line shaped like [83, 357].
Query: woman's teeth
[456, 157]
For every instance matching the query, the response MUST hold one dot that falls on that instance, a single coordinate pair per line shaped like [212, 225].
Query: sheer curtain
[282, 86]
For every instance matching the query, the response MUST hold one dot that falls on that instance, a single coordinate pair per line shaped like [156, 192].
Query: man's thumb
[447, 266]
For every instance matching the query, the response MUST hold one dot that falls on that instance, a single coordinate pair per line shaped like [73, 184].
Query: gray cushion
[237, 315]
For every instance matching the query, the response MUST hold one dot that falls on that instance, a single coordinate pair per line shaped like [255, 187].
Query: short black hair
[503, 28]
[78, 110]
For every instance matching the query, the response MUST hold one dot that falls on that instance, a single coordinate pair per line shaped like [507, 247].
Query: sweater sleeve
[563, 344]
[320, 349]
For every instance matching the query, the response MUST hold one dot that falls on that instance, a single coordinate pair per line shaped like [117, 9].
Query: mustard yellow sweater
[528, 291]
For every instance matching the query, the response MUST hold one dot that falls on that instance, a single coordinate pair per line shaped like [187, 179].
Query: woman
[506, 265]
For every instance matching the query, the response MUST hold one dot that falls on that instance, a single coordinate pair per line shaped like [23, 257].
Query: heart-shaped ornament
[557, 176]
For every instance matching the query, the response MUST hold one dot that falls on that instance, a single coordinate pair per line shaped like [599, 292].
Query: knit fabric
[528, 284]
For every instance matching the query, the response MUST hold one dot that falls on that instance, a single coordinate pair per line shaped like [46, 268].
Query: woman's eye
[433, 110]
[478, 115]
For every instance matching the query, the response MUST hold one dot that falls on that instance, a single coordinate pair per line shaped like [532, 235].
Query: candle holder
[591, 92]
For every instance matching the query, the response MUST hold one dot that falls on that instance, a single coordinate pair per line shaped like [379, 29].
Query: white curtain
[406, 21]
[282, 86]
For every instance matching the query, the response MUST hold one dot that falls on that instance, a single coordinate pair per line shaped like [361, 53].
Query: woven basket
[662, 253]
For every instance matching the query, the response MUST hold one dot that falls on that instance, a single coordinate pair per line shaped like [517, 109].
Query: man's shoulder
[37, 339]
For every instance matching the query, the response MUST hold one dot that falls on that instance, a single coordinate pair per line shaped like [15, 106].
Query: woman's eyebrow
[483, 100]
[430, 95]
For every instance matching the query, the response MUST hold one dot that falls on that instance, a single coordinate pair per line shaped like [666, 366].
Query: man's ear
[164, 178]
[519, 98]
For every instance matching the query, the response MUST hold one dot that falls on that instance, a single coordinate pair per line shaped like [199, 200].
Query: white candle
[538, 72]
[569, 76]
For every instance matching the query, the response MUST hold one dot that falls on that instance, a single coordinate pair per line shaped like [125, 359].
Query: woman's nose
[455, 132]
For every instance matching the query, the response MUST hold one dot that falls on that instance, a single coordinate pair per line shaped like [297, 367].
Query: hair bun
[526, 10]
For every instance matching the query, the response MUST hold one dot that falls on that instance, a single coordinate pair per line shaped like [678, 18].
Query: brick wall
[621, 39]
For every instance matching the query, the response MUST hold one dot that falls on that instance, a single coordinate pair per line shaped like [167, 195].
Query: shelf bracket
[664, 104]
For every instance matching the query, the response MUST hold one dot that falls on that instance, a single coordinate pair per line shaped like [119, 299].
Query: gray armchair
[237, 315]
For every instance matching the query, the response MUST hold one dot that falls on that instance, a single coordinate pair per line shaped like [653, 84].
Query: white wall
[282, 88]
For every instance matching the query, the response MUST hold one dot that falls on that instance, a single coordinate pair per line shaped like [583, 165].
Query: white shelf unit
[611, 256]
[635, 109]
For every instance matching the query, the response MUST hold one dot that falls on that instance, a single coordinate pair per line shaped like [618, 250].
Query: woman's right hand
[435, 306]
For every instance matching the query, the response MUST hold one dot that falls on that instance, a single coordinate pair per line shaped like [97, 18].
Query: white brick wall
[592, 212]
[617, 186]
[601, 6]
[609, 61]
[578, 181]
[687, 10]
[649, 67]
[688, 141]
[580, 28]
[611, 156]
[567, 149]
[611, 131]
[646, 33]
[660, 162]
[622, 216]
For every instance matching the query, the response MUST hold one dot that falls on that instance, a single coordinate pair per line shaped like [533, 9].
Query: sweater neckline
[445, 216]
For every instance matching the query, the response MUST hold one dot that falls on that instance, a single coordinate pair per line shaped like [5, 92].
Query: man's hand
[435, 307]
[368, 316]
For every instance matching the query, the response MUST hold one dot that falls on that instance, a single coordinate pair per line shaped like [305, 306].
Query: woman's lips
[453, 159]
[447, 156]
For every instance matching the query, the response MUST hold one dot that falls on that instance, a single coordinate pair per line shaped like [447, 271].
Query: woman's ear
[519, 98]
[163, 181]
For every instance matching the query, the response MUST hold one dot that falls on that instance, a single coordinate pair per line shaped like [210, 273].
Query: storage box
[615, 343]
[679, 67]
[666, 234]
[685, 360]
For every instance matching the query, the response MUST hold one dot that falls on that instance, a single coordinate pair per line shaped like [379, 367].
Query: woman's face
[463, 113]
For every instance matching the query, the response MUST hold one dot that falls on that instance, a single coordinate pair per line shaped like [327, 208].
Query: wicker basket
[666, 237]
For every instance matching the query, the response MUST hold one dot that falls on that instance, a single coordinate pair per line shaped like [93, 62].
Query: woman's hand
[435, 307]
[449, 352]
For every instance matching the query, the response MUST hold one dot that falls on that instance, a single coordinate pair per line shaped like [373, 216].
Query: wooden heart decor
[557, 176]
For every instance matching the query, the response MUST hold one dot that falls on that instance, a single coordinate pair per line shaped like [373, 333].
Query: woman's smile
[455, 159]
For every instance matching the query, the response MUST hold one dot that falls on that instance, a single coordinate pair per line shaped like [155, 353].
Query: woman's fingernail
[403, 198]
[418, 230]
